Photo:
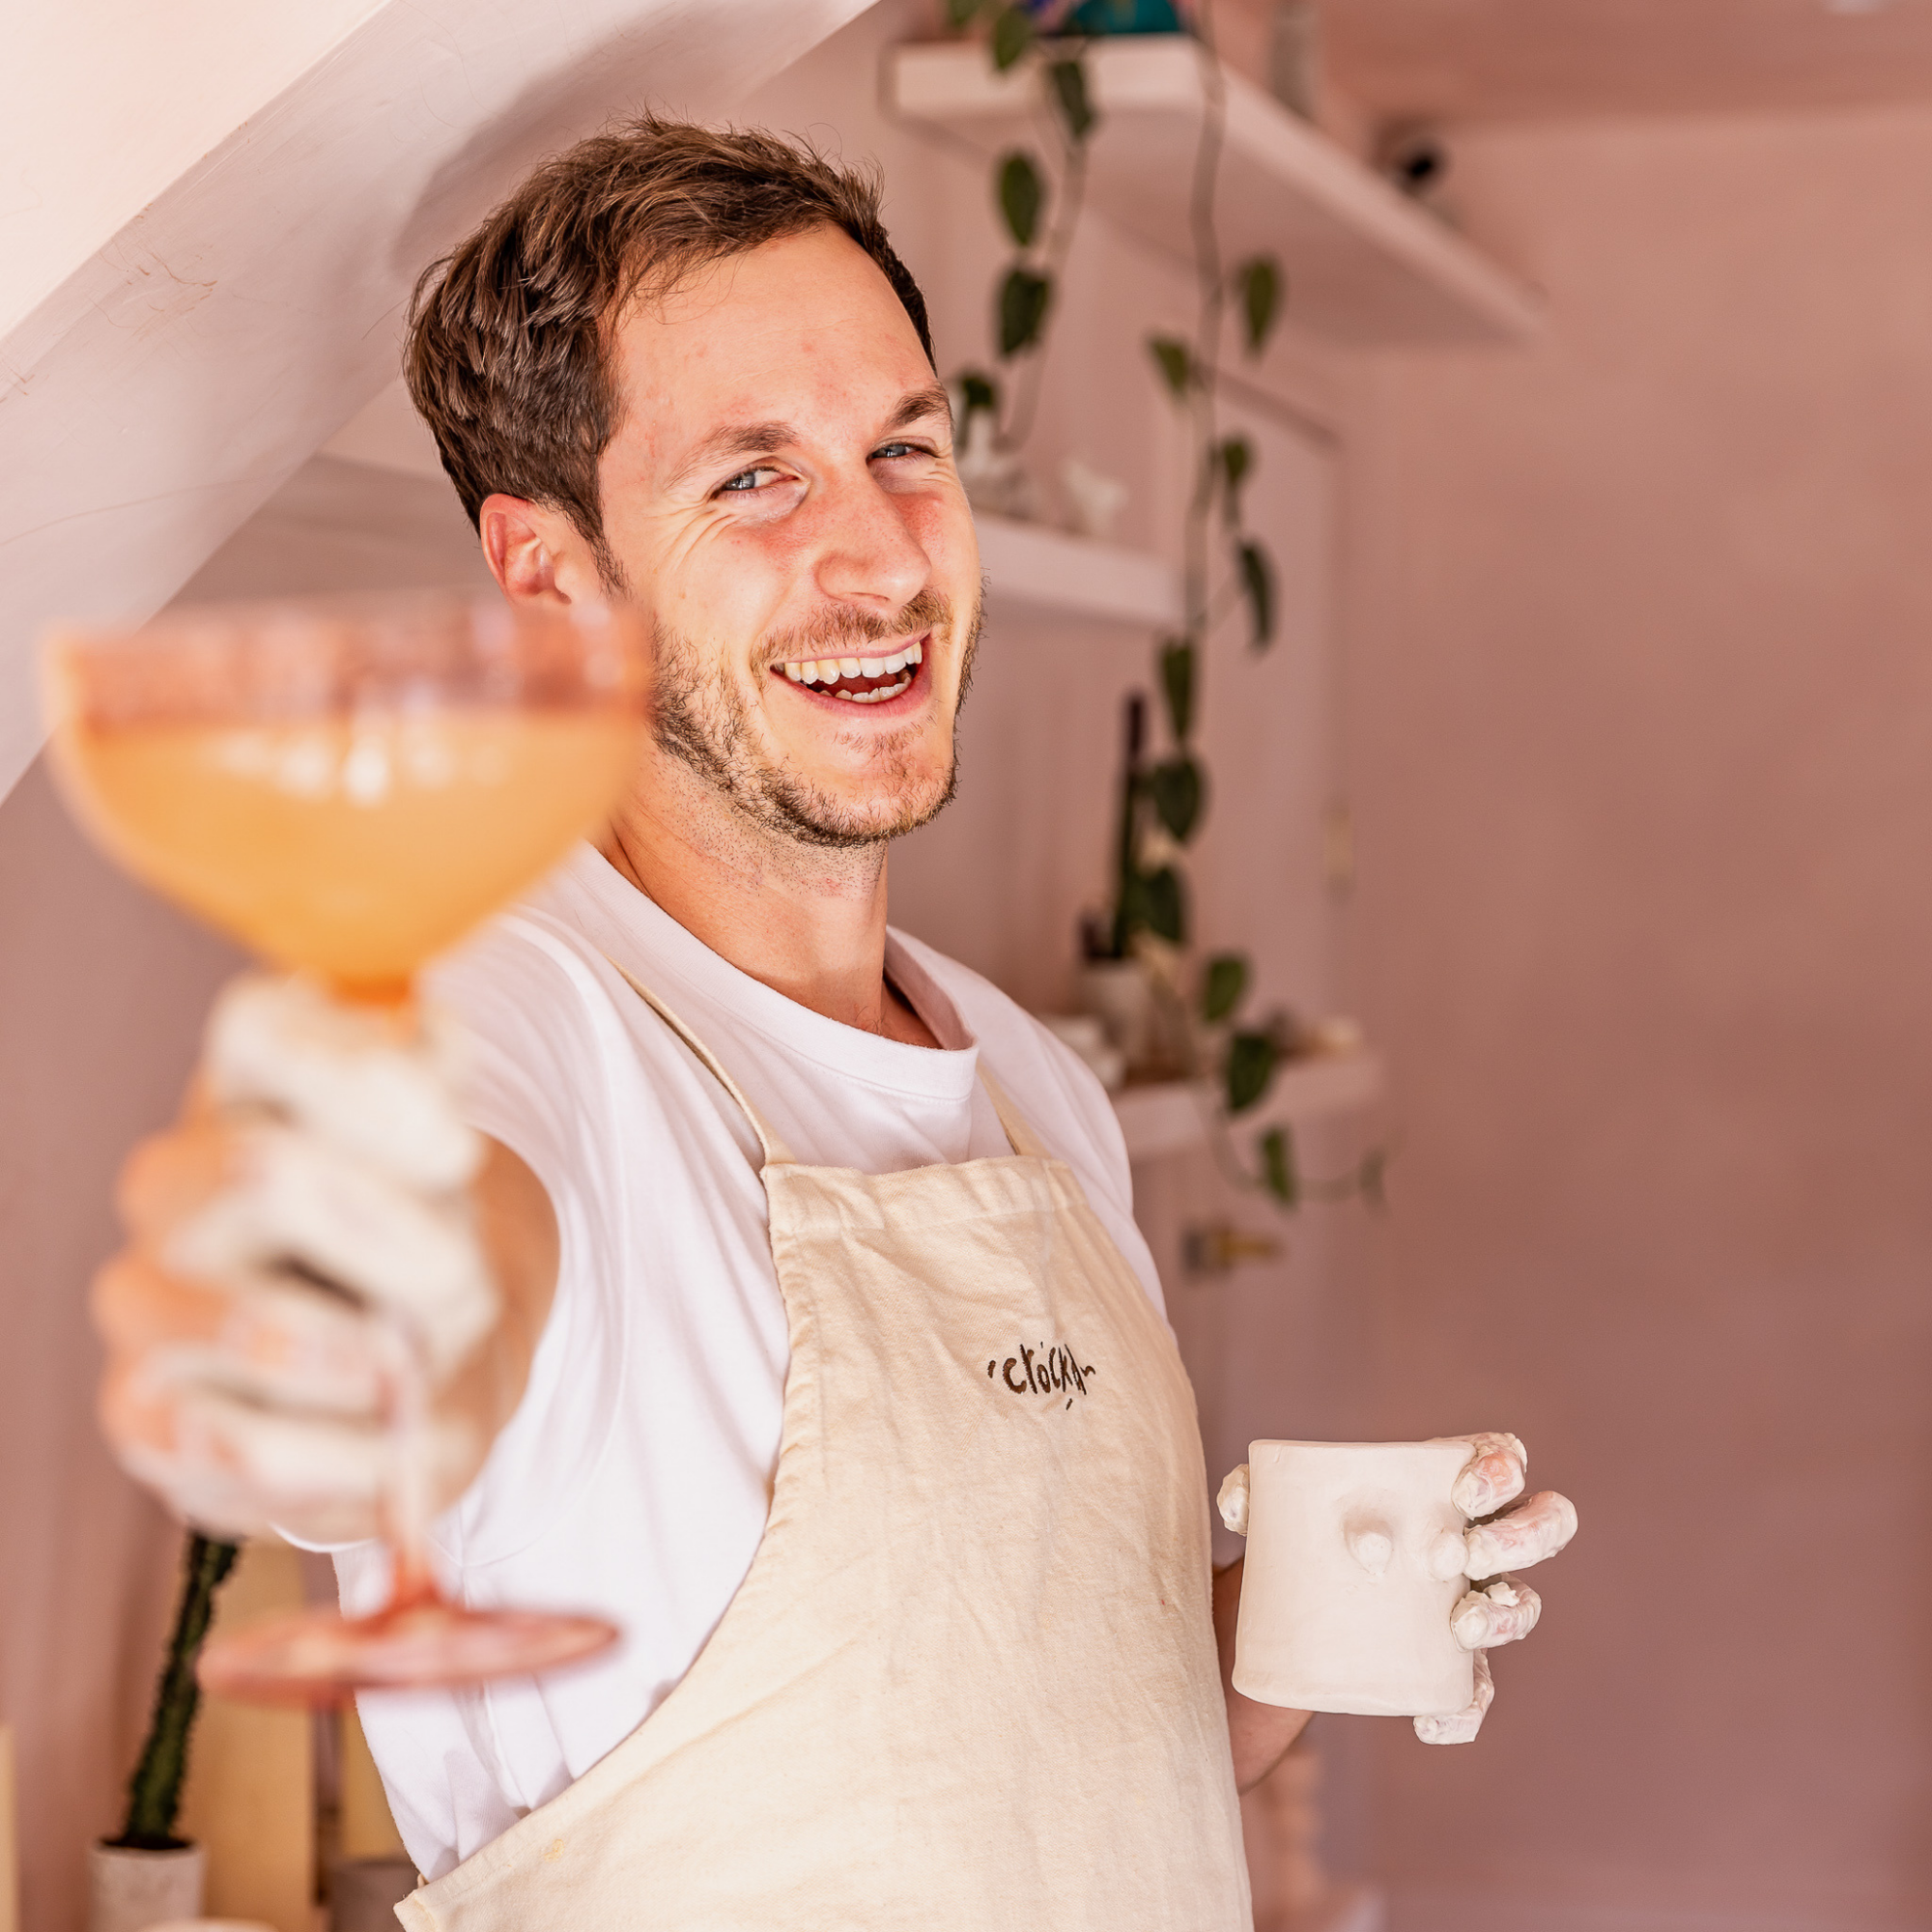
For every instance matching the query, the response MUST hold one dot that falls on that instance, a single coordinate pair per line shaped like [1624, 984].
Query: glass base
[319, 1658]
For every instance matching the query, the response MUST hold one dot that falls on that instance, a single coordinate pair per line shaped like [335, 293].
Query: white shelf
[1032, 567]
[1362, 261]
[1173, 1116]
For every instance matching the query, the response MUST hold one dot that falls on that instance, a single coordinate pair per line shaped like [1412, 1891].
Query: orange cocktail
[349, 788]
[356, 847]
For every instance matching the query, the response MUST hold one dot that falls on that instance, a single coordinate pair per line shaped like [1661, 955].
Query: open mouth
[860, 680]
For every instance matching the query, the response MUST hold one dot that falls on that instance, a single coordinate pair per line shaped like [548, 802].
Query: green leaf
[1222, 987]
[1258, 586]
[1278, 1169]
[961, 12]
[1022, 196]
[1177, 683]
[1067, 88]
[1236, 460]
[1259, 283]
[1013, 36]
[1176, 786]
[980, 392]
[1177, 364]
[1251, 1060]
[1163, 908]
[1023, 303]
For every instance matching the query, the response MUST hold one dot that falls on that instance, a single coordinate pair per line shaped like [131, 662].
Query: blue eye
[746, 480]
[898, 449]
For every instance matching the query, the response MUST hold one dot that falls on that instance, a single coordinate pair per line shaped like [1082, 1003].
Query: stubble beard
[703, 721]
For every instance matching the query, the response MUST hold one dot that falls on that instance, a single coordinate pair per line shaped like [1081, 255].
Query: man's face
[780, 497]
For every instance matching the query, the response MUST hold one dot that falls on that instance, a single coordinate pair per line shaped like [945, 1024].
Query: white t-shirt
[636, 1474]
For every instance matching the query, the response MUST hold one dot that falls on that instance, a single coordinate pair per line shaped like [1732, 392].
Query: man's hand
[1497, 1610]
[320, 1209]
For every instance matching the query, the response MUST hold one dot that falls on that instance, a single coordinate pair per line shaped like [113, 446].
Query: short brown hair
[508, 351]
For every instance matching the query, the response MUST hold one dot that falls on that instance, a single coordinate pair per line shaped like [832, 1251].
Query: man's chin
[862, 812]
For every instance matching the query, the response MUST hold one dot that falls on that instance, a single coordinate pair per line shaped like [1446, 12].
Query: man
[798, 1357]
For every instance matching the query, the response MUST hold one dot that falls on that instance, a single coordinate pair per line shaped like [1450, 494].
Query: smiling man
[826, 1358]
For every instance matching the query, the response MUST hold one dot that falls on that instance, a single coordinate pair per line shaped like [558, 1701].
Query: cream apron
[970, 1678]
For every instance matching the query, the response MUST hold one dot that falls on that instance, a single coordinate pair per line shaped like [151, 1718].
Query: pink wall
[101, 989]
[1641, 748]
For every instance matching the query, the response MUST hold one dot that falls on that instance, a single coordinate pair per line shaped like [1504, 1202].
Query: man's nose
[867, 553]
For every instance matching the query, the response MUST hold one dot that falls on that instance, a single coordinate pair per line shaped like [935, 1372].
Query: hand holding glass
[348, 788]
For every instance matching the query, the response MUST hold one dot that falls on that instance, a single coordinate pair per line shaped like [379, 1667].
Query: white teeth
[879, 696]
[829, 670]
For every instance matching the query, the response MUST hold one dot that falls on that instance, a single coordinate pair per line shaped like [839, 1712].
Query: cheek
[727, 584]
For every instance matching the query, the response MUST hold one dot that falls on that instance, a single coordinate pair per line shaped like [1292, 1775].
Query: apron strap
[776, 1153]
[1022, 1137]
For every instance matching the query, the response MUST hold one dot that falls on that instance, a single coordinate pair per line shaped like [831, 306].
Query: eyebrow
[760, 438]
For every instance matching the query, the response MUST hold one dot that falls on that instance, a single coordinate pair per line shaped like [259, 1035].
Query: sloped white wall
[195, 349]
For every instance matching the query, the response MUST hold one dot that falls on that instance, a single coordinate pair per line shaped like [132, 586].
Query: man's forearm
[1260, 1733]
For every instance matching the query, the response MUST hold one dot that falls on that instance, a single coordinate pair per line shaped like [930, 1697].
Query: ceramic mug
[1355, 1560]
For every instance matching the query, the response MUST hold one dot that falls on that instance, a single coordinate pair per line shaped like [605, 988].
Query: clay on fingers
[1460, 1728]
[1494, 1474]
[1527, 1534]
[1506, 1612]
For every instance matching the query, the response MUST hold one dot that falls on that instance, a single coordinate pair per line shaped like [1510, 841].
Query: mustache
[840, 629]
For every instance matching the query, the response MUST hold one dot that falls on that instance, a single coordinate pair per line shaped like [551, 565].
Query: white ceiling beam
[190, 360]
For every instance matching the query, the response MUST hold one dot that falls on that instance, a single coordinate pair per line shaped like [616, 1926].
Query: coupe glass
[347, 787]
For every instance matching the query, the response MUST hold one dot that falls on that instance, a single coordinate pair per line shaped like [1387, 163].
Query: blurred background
[1586, 764]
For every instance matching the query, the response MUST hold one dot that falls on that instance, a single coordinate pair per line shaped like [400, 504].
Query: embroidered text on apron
[969, 1681]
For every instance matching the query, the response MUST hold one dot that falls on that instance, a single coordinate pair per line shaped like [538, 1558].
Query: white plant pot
[133, 1892]
[1118, 994]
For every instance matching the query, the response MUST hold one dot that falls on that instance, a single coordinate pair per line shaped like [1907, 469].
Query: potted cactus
[147, 1874]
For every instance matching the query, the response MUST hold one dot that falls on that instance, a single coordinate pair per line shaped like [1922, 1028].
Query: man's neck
[808, 921]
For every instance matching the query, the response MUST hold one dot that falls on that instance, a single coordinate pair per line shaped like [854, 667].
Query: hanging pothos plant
[1038, 223]
[1225, 564]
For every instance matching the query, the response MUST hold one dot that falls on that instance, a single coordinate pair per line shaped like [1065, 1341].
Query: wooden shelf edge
[1173, 1116]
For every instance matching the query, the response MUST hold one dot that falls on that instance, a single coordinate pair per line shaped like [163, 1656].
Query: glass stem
[408, 1510]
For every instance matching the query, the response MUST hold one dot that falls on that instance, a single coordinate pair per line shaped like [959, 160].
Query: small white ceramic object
[1118, 993]
[133, 1892]
[1093, 499]
[1355, 1560]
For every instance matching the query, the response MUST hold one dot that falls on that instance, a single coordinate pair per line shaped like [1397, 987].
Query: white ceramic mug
[1355, 1560]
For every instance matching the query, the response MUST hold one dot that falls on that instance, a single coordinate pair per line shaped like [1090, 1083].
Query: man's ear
[534, 552]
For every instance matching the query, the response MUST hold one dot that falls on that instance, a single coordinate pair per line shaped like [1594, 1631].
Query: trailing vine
[1024, 300]
[1163, 803]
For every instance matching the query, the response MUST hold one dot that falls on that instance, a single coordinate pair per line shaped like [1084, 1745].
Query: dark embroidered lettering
[1048, 1368]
